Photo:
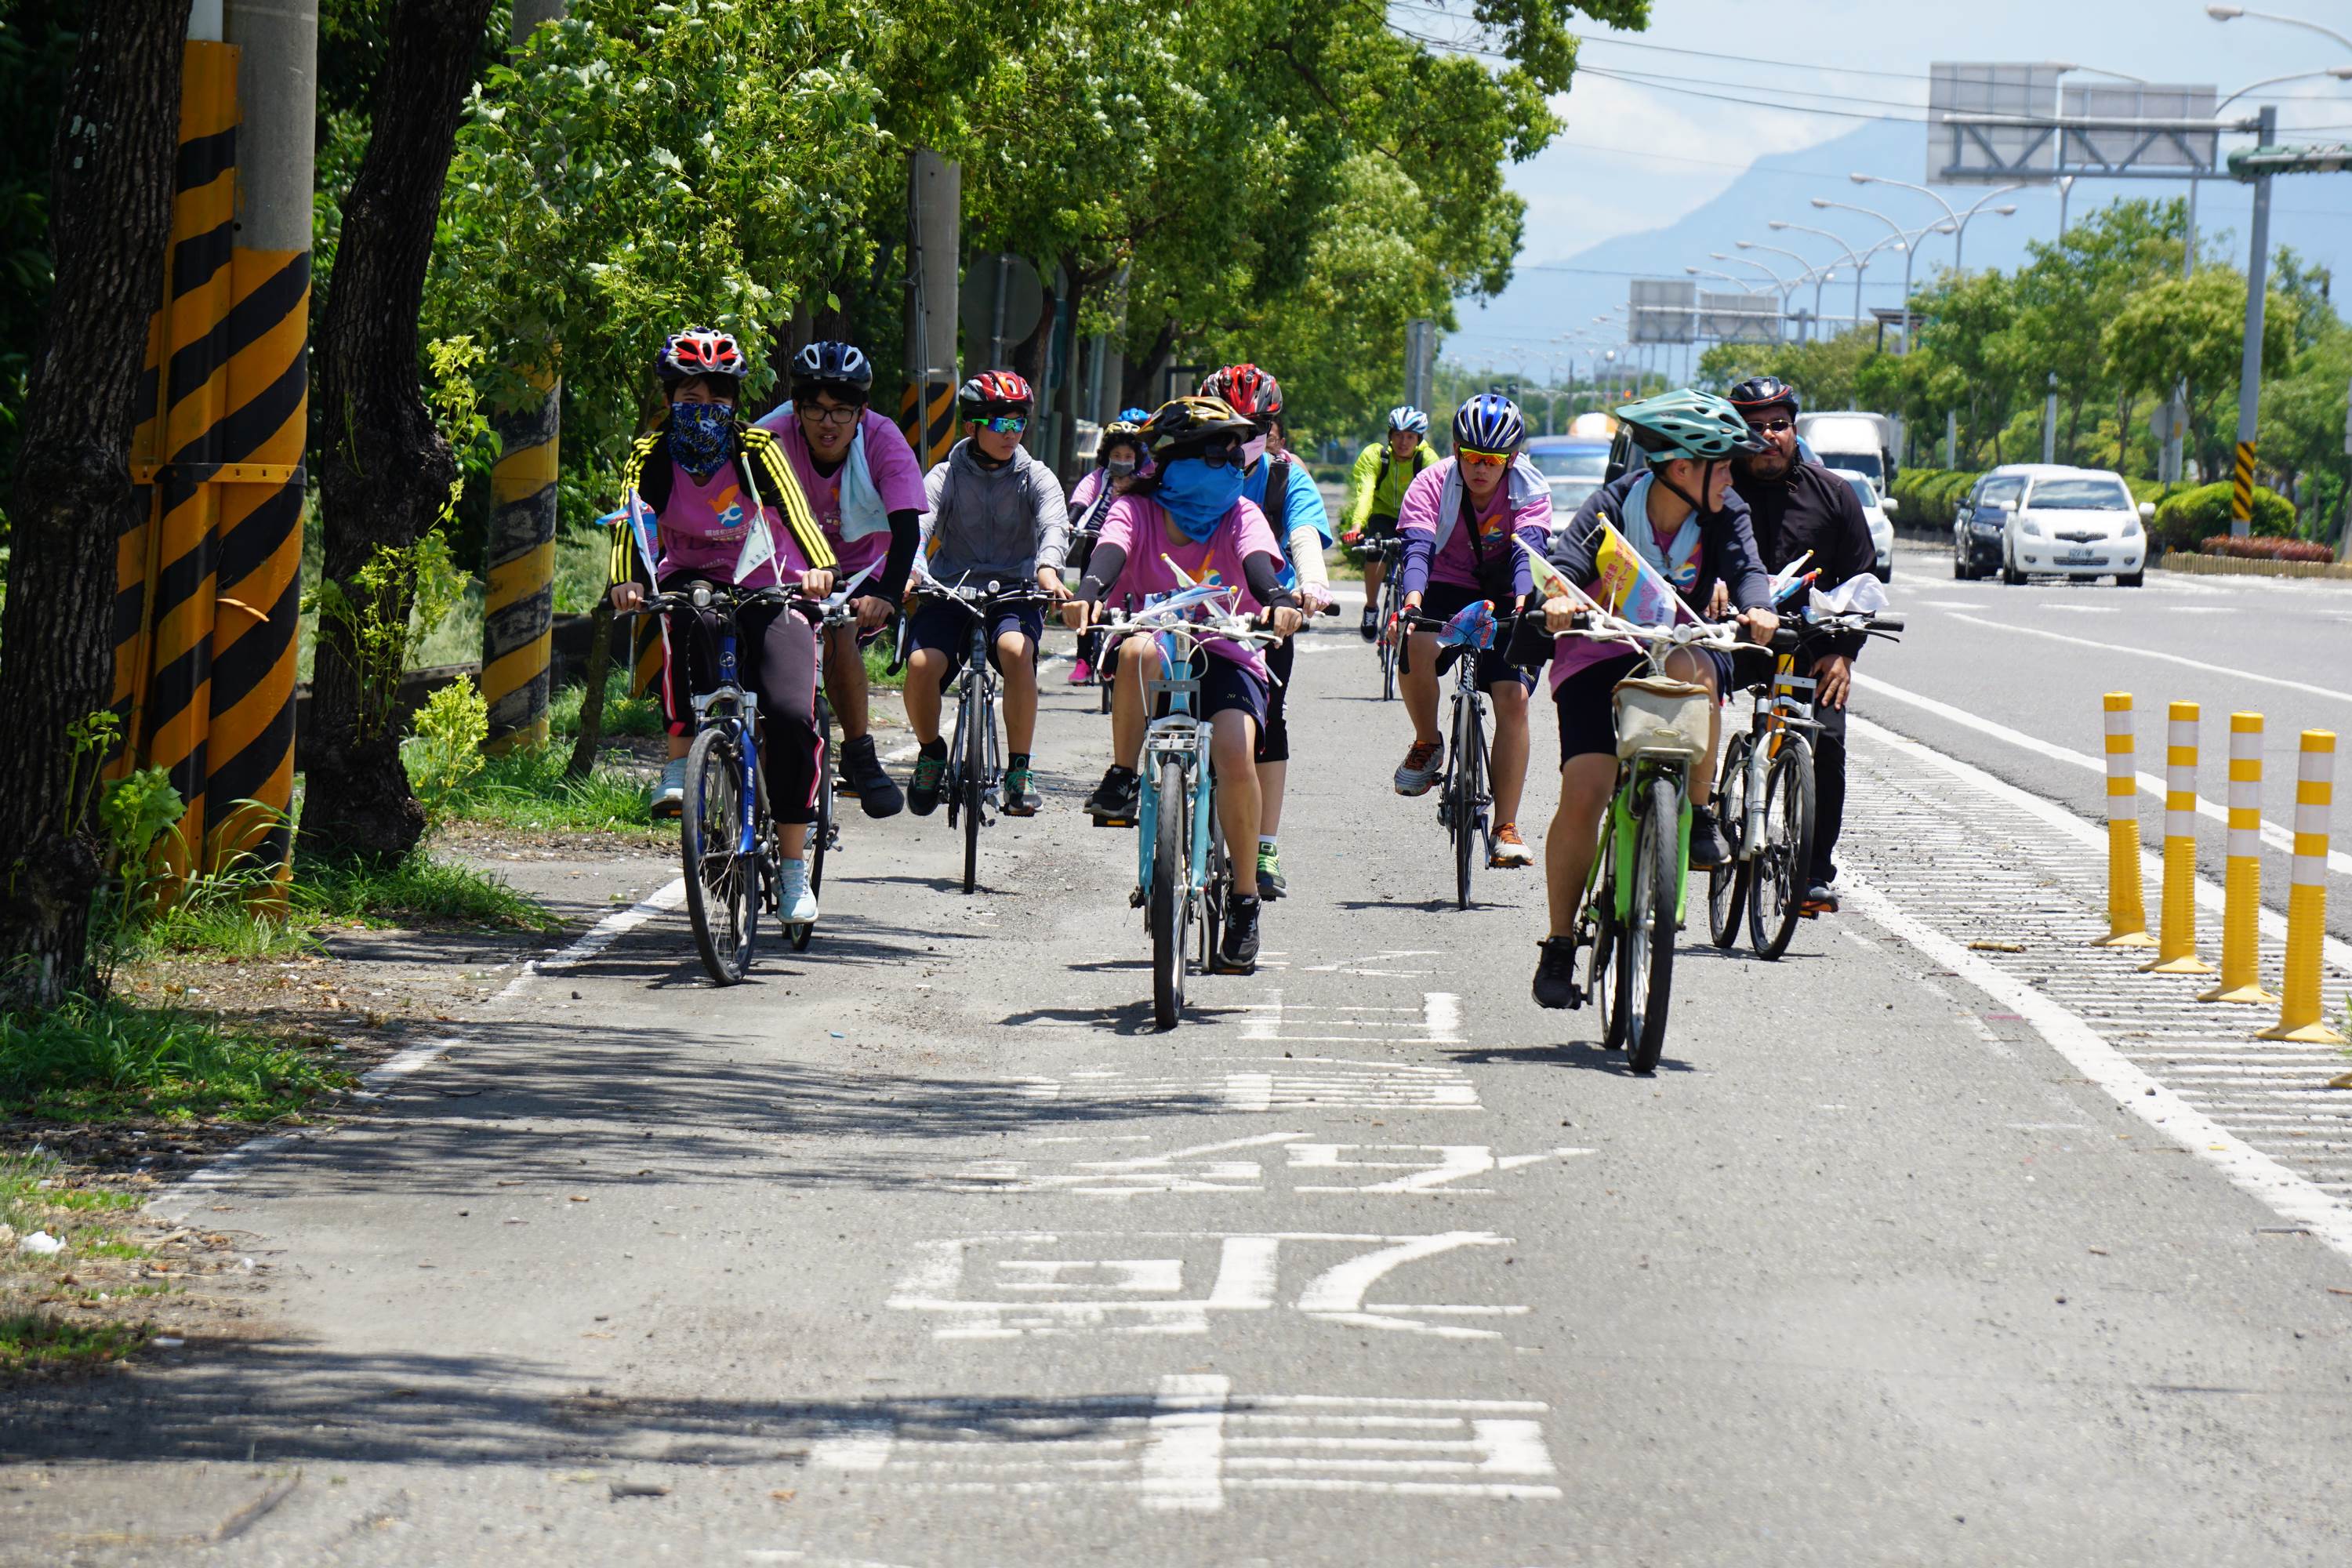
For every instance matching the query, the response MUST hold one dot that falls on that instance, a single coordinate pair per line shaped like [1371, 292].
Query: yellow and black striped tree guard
[933, 433]
[518, 601]
[209, 583]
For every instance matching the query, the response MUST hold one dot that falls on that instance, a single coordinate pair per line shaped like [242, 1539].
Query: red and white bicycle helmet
[700, 350]
[993, 392]
[1253, 395]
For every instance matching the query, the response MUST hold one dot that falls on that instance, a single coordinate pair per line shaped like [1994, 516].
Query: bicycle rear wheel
[1726, 884]
[1649, 954]
[974, 783]
[1171, 911]
[721, 880]
[1775, 896]
[1600, 973]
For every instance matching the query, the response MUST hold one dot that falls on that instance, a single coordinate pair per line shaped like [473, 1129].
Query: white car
[2044, 520]
[1875, 513]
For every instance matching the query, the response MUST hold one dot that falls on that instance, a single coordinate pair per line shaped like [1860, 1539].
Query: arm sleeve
[1263, 572]
[1417, 528]
[1413, 571]
[1362, 478]
[1052, 517]
[622, 565]
[1103, 569]
[1306, 554]
[906, 534]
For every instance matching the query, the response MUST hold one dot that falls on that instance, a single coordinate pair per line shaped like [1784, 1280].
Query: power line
[1752, 103]
[1750, 87]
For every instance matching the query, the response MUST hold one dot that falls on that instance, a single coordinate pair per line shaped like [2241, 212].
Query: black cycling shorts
[1274, 729]
[1442, 601]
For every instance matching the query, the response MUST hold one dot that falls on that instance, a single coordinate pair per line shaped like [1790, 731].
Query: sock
[1265, 843]
[1019, 760]
[935, 750]
[1245, 901]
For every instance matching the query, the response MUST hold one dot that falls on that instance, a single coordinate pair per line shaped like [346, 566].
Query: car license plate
[2080, 558]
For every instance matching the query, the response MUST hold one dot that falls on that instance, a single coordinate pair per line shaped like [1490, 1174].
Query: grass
[416, 888]
[103, 1060]
[526, 788]
[877, 666]
[22, 1190]
[37, 1341]
[623, 714]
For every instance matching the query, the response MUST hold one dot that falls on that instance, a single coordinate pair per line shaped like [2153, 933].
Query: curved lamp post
[1960, 219]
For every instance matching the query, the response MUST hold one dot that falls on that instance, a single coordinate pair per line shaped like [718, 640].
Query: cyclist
[996, 514]
[866, 489]
[695, 472]
[1376, 489]
[1677, 510]
[1458, 522]
[1797, 505]
[1282, 488]
[1192, 516]
[1121, 464]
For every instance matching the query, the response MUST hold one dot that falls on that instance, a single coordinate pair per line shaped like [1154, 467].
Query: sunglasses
[1482, 460]
[1004, 424]
[1771, 427]
[1219, 456]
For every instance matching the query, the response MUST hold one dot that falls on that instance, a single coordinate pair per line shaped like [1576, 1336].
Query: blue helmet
[1405, 416]
[1489, 422]
[1135, 416]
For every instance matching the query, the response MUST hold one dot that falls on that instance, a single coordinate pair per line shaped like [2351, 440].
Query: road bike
[975, 757]
[824, 832]
[1633, 898]
[1390, 635]
[1464, 796]
[1764, 793]
[1183, 873]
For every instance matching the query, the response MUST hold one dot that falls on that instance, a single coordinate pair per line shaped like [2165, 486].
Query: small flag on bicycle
[641, 529]
[1633, 588]
[1550, 581]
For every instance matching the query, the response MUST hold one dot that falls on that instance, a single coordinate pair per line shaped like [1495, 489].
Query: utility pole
[2050, 421]
[2250, 365]
[935, 251]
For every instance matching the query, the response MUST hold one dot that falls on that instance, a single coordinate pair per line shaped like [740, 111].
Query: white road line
[2196, 664]
[602, 934]
[2286, 1194]
[2208, 892]
[2276, 836]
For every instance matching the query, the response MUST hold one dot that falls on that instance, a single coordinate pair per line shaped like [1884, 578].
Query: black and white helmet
[840, 369]
[1405, 416]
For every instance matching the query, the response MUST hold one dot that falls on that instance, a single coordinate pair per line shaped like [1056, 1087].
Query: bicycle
[1633, 895]
[1391, 607]
[1182, 869]
[1463, 796]
[1764, 796]
[975, 762]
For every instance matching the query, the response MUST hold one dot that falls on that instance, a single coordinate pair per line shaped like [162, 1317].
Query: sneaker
[1237, 954]
[1020, 798]
[1371, 628]
[1270, 884]
[1821, 899]
[1081, 671]
[1510, 849]
[1707, 850]
[1556, 974]
[670, 794]
[931, 776]
[795, 904]
[1116, 799]
[1421, 767]
[861, 771]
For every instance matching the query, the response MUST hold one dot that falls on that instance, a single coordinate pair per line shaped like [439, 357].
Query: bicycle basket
[1660, 717]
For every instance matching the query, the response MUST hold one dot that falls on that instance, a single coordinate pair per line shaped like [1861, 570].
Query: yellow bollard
[2176, 947]
[2241, 978]
[2127, 913]
[2301, 1016]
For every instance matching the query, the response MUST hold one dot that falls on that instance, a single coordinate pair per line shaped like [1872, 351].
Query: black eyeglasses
[1771, 427]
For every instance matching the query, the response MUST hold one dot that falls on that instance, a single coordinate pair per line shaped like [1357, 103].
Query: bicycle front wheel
[1649, 962]
[721, 877]
[976, 722]
[1775, 896]
[1727, 884]
[1172, 911]
[1465, 785]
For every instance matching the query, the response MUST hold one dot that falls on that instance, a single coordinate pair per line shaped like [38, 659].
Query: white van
[1845, 438]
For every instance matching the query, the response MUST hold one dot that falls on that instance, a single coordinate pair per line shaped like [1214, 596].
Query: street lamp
[1959, 220]
[1820, 274]
[1910, 237]
[2230, 12]
[2341, 73]
[1861, 262]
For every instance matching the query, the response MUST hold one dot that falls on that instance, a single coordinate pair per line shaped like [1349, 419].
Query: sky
[1651, 135]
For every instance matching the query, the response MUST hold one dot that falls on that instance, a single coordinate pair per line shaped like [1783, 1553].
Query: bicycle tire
[721, 889]
[1657, 853]
[1462, 798]
[1215, 888]
[1726, 884]
[1389, 644]
[1171, 910]
[820, 832]
[1600, 976]
[1776, 897]
[975, 726]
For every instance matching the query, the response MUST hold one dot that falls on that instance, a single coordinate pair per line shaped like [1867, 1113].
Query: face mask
[1252, 450]
[1197, 495]
[1122, 467]
[700, 434]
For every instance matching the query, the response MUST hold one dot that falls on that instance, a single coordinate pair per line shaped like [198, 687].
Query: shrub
[2187, 516]
[1927, 497]
[2262, 547]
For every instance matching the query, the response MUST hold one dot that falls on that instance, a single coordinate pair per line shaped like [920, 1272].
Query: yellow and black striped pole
[2241, 490]
[2242, 979]
[518, 602]
[2301, 1013]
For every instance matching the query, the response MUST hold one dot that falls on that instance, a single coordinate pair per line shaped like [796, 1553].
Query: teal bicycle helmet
[1686, 423]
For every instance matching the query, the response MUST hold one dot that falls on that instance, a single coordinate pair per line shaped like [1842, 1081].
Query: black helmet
[832, 367]
[1759, 393]
[1185, 426]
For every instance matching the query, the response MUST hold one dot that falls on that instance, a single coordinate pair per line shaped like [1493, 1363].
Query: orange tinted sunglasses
[1489, 459]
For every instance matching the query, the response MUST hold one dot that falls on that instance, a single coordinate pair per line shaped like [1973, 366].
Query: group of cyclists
[823, 491]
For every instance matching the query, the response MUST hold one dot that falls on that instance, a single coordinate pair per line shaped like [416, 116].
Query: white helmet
[1405, 416]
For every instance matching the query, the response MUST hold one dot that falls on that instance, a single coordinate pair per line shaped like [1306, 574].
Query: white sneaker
[670, 795]
[793, 897]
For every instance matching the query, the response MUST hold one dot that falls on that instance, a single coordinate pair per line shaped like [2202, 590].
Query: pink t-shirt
[889, 462]
[705, 524]
[1456, 564]
[1241, 533]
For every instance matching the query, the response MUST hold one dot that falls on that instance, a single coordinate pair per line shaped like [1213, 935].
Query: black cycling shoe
[1020, 798]
[1237, 954]
[1556, 974]
[861, 771]
[1371, 628]
[1116, 799]
[1821, 899]
[930, 777]
[1707, 850]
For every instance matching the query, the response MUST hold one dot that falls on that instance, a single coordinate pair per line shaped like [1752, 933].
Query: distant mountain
[1548, 295]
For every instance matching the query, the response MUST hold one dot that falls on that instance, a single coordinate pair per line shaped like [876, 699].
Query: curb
[2195, 565]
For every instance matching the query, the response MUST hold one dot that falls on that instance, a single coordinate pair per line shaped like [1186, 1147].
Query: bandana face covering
[1197, 495]
[700, 435]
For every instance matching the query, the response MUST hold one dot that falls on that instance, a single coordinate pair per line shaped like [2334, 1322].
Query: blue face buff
[700, 434]
[1197, 495]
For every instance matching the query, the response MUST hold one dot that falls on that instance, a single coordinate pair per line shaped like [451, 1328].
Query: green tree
[2195, 328]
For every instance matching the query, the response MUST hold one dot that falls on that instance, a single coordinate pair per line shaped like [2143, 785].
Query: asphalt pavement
[1928, 1244]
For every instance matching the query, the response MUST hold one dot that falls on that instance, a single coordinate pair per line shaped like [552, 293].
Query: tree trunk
[111, 219]
[1139, 386]
[1066, 444]
[384, 471]
[592, 701]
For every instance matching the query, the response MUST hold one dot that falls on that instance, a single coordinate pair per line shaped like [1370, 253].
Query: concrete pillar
[935, 255]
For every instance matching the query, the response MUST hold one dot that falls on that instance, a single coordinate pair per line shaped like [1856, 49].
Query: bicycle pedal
[1135, 897]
